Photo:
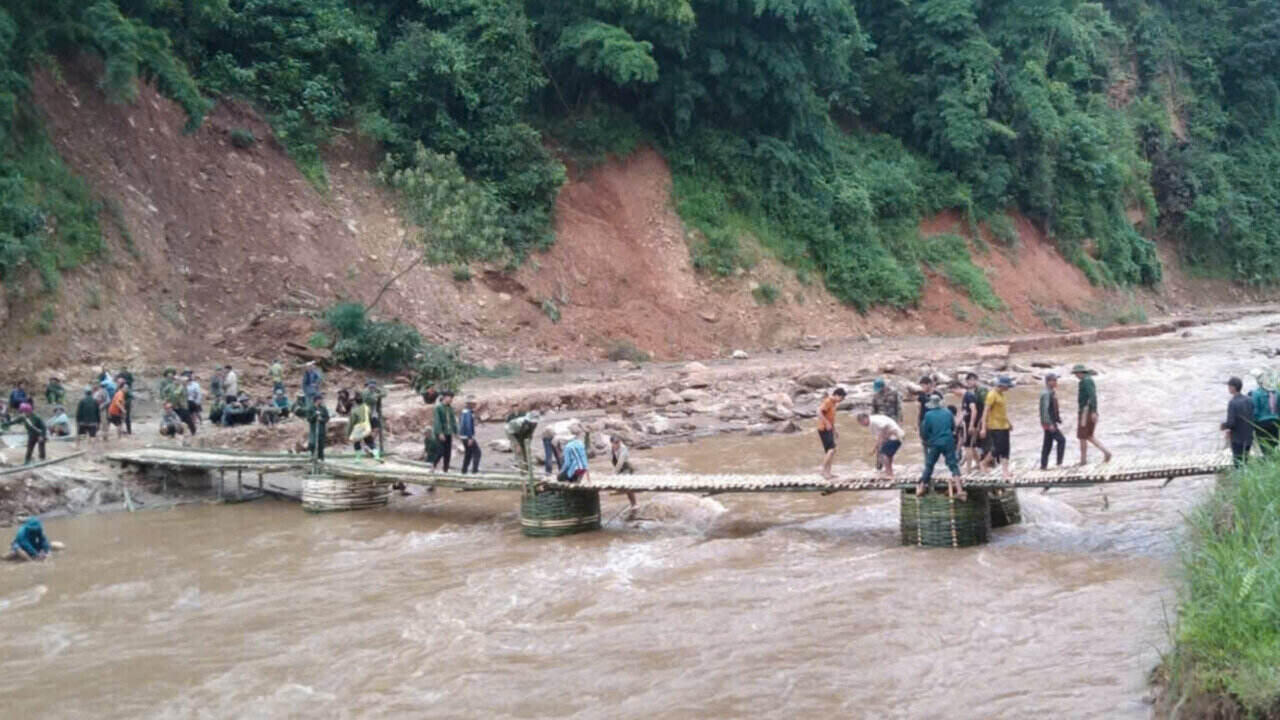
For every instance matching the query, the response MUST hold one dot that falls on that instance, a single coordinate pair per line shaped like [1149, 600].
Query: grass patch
[243, 138]
[765, 294]
[958, 311]
[949, 255]
[1128, 312]
[1050, 317]
[44, 323]
[551, 310]
[626, 350]
[462, 274]
[1227, 637]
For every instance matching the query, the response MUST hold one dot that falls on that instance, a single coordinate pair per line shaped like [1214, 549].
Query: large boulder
[693, 367]
[740, 355]
[816, 380]
[655, 424]
[501, 445]
[694, 395]
[697, 380]
[778, 412]
[664, 397]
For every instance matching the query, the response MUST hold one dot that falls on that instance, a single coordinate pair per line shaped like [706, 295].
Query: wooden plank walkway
[1163, 467]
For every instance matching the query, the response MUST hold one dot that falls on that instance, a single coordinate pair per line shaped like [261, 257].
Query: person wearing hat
[317, 415]
[444, 425]
[281, 402]
[311, 379]
[30, 542]
[37, 432]
[54, 393]
[827, 429]
[1266, 414]
[1239, 424]
[885, 401]
[1087, 420]
[995, 424]
[1051, 422]
[575, 458]
[361, 424]
[175, 393]
[88, 416]
[467, 432]
[59, 424]
[519, 428]
[938, 429]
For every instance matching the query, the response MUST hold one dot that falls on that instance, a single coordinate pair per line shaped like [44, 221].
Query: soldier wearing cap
[1087, 420]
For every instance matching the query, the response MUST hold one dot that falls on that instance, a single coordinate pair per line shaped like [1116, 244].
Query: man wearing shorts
[1087, 422]
[88, 416]
[888, 435]
[995, 423]
[827, 429]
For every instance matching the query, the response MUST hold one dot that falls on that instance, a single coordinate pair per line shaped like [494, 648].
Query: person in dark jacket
[88, 416]
[1266, 413]
[444, 426]
[54, 393]
[940, 442]
[1239, 424]
[17, 397]
[30, 543]
[37, 432]
[317, 415]
[1051, 421]
[467, 432]
[1087, 419]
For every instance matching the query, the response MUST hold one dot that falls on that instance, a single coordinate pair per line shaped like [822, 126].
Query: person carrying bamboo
[519, 429]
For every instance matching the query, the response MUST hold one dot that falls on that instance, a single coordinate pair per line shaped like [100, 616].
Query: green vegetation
[625, 350]
[820, 131]
[369, 344]
[766, 294]
[461, 274]
[1227, 638]
[243, 139]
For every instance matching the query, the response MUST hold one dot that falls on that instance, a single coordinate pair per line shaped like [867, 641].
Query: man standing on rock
[1051, 421]
[939, 442]
[827, 429]
[444, 426]
[972, 406]
[1239, 424]
[1266, 414]
[1087, 425]
[995, 423]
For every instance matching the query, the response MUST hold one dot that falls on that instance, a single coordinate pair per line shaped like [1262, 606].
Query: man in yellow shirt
[996, 425]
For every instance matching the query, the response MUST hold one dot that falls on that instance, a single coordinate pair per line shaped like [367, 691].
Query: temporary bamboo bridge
[392, 469]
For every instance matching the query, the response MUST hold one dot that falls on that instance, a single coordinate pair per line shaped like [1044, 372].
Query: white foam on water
[680, 513]
[23, 598]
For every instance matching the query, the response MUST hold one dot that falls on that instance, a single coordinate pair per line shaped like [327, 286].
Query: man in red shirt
[827, 429]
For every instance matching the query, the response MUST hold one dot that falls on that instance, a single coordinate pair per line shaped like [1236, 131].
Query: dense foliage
[371, 344]
[1228, 629]
[818, 130]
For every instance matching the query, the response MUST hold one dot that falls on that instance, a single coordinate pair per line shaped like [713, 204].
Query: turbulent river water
[754, 606]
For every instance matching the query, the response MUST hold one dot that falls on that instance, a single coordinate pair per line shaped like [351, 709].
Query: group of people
[1253, 419]
[976, 434]
[108, 398]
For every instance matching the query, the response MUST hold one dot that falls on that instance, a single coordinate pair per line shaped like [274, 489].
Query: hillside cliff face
[217, 252]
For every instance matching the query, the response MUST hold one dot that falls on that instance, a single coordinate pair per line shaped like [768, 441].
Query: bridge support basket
[559, 512]
[1005, 509]
[936, 520]
[329, 494]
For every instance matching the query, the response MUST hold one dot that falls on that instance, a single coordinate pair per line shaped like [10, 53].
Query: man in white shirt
[888, 435]
[230, 384]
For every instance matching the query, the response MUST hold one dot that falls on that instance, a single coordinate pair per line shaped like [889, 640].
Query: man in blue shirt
[467, 432]
[938, 434]
[575, 459]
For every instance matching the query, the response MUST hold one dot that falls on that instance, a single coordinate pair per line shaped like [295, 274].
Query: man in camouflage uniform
[175, 393]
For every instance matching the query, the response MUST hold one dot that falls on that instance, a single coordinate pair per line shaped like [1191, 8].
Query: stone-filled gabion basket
[1005, 509]
[328, 494]
[552, 513]
[936, 520]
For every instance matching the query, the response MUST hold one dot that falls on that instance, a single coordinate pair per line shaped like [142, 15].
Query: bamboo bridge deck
[1164, 467]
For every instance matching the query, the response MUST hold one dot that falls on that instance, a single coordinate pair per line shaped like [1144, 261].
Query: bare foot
[828, 476]
[1106, 457]
[920, 490]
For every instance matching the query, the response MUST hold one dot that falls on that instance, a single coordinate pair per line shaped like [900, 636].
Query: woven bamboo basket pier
[1005, 509]
[936, 520]
[552, 513]
[321, 493]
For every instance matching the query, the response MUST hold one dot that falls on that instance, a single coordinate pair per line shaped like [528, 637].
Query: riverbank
[1225, 662]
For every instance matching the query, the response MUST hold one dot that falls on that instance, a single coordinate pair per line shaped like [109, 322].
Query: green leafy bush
[462, 274]
[243, 138]
[442, 367]
[319, 340]
[620, 350]
[765, 294]
[385, 346]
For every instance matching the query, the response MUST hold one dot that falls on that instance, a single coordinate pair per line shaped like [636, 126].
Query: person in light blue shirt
[575, 459]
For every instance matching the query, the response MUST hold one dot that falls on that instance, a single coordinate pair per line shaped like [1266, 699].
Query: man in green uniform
[54, 393]
[1087, 422]
[88, 416]
[1266, 414]
[126, 376]
[444, 426]
[938, 431]
[373, 398]
[175, 393]
[37, 432]
[318, 417]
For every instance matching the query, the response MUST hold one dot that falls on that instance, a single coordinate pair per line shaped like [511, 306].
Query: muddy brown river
[738, 606]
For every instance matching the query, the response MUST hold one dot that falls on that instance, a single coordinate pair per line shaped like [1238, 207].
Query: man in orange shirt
[827, 429]
[116, 410]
